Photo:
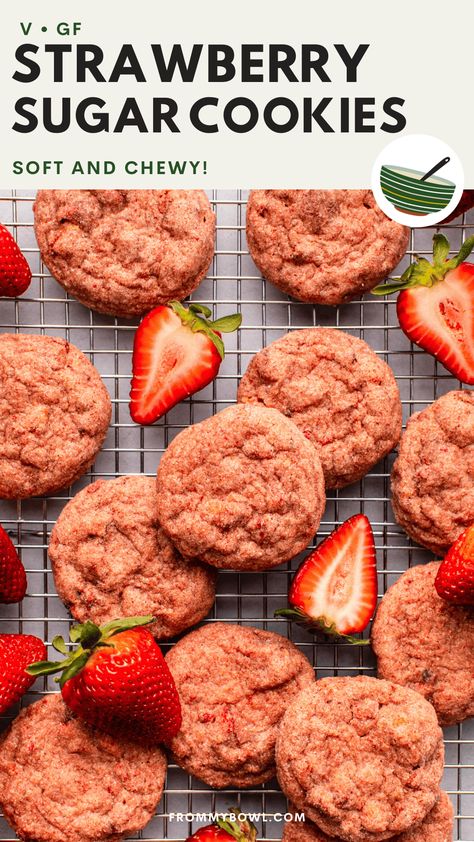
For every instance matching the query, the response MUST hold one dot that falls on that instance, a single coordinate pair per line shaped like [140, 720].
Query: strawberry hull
[435, 306]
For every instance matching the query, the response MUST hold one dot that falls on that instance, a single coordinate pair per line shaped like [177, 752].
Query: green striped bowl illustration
[404, 189]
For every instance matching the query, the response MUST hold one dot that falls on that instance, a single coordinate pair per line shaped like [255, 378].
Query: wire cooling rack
[233, 283]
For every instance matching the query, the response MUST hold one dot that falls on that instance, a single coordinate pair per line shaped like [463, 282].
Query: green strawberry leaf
[90, 635]
[396, 284]
[116, 626]
[77, 664]
[180, 311]
[241, 830]
[319, 625]
[58, 644]
[227, 324]
[440, 249]
[217, 341]
[201, 308]
[75, 633]
[201, 324]
[464, 251]
[423, 273]
[388, 289]
[45, 667]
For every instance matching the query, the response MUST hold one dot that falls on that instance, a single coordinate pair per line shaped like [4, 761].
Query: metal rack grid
[232, 283]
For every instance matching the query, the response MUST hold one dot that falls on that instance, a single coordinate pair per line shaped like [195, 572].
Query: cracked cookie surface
[54, 414]
[337, 391]
[436, 827]
[433, 477]
[423, 642]
[323, 246]
[111, 559]
[234, 685]
[61, 781]
[363, 758]
[122, 252]
[243, 489]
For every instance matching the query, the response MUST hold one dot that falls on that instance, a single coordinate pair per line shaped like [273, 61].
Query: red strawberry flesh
[211, 833]
[170, 362]
[233, 827]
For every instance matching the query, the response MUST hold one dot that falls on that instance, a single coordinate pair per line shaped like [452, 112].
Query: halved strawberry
[435, 307]
[335, 588]
[455, 578]
[177, 351]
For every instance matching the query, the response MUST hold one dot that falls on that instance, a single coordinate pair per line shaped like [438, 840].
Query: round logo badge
[417, 180]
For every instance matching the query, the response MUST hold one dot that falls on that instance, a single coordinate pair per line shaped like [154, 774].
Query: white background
[421, 50]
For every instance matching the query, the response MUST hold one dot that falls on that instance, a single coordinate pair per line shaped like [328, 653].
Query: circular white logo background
[417, 180]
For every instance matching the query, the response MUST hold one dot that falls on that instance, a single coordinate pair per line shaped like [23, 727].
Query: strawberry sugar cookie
[337, 391]
[323, 246]
[234, 684]
[436, 827]
[123, 252]
[433, 477]
[110, 559]
[243, 489]
[54, 414]
[61, 781]
[361, 757]
[423, 642]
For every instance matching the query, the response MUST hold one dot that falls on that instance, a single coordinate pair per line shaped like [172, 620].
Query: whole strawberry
[117, 680]
[15, 274]
[455, 578]
[233, 826]
[17, 652]
[12, 572]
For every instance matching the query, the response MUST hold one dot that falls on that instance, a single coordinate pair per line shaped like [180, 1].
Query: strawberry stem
[318, 625]
[243, 830]
[196, 317]
[423, 273]
[201, 308]
[89, 637]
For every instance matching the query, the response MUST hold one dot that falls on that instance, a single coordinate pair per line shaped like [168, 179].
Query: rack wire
[233, 283]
